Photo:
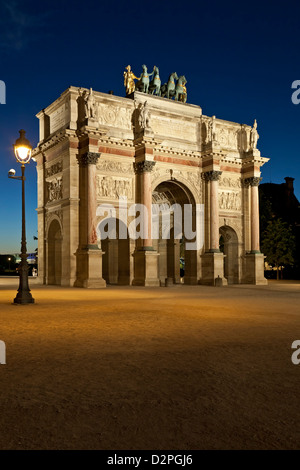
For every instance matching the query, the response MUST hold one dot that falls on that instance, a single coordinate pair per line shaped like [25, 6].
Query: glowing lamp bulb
[22, 148]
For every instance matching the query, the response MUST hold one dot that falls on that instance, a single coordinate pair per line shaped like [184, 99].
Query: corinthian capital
[253, 181]
[211, 175]
[141, 167]
[88, 158]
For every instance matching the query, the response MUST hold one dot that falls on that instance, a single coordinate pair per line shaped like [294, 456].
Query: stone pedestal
[212, 267]
[89, 265]
[145, 268]
[254, 269]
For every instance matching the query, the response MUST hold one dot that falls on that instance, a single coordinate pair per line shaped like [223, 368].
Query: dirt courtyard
[150, 368]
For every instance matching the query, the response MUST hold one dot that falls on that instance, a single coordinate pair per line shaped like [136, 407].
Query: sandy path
[155, 368]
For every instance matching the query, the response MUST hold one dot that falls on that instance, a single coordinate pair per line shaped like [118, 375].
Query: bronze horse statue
[154, 86]
[168, 89]
[180, 90]
[143, 83]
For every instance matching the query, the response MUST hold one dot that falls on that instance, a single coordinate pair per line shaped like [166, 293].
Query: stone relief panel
[175, 128]
[229, 137]
[53, 169]
[112, 187]
[115, 167]
[116, 116]
[230, 201]
[60, 117]
[54, 190]
[230, 182]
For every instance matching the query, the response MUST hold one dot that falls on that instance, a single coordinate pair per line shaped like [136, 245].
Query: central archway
[176, 262]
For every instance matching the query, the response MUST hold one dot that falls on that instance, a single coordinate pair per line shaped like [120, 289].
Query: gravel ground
[150, 368]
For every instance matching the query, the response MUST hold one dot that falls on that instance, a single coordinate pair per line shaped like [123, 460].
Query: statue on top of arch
[254, 136]
[175, 87]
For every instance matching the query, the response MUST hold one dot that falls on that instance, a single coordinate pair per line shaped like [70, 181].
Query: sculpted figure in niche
[254, 136]
[144, 116]
[110, 187]
[104, 187]
[90, 105]
[212, 129]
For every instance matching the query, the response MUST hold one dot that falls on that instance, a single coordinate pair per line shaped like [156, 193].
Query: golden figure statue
[183, 96]
[129, 80]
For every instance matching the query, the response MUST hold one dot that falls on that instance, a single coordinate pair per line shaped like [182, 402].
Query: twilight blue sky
[240, 59]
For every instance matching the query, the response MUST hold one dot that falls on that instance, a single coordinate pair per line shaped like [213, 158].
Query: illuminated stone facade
[95, 151]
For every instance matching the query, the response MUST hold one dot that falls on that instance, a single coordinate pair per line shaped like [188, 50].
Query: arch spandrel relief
[191, 179]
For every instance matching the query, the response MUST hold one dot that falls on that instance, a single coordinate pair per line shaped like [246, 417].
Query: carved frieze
[116, 116]
[108, 186]
[230, 201]
[114, 167]
[229, 137]
[53, 169]
[54, 189]
[229, 182]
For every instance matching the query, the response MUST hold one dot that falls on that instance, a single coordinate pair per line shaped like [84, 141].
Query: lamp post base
[24, 298]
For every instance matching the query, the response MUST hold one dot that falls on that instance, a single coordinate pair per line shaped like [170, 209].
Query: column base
[89, 268]
[254, 269]
[212, 269]
[146, 268]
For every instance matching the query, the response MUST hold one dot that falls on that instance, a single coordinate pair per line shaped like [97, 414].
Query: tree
[266, 212]
[278, 244]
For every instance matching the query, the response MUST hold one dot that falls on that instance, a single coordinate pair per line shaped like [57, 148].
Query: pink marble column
[213, 178]
[253, 183]
[92, 205]
[89, 161]
[143, 170]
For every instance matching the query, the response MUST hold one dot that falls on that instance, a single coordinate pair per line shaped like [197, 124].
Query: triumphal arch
[101, 156]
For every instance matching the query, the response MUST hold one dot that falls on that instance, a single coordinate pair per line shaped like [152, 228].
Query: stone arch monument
[89, 158]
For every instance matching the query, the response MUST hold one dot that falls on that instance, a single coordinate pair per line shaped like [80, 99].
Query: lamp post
[9, 263]
[22, 150]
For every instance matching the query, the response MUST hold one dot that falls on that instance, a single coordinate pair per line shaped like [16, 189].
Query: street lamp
[9, 263]
[22, 150]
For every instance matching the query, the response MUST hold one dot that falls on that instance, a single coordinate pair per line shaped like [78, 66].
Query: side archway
[229, 245]
[54, 253]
